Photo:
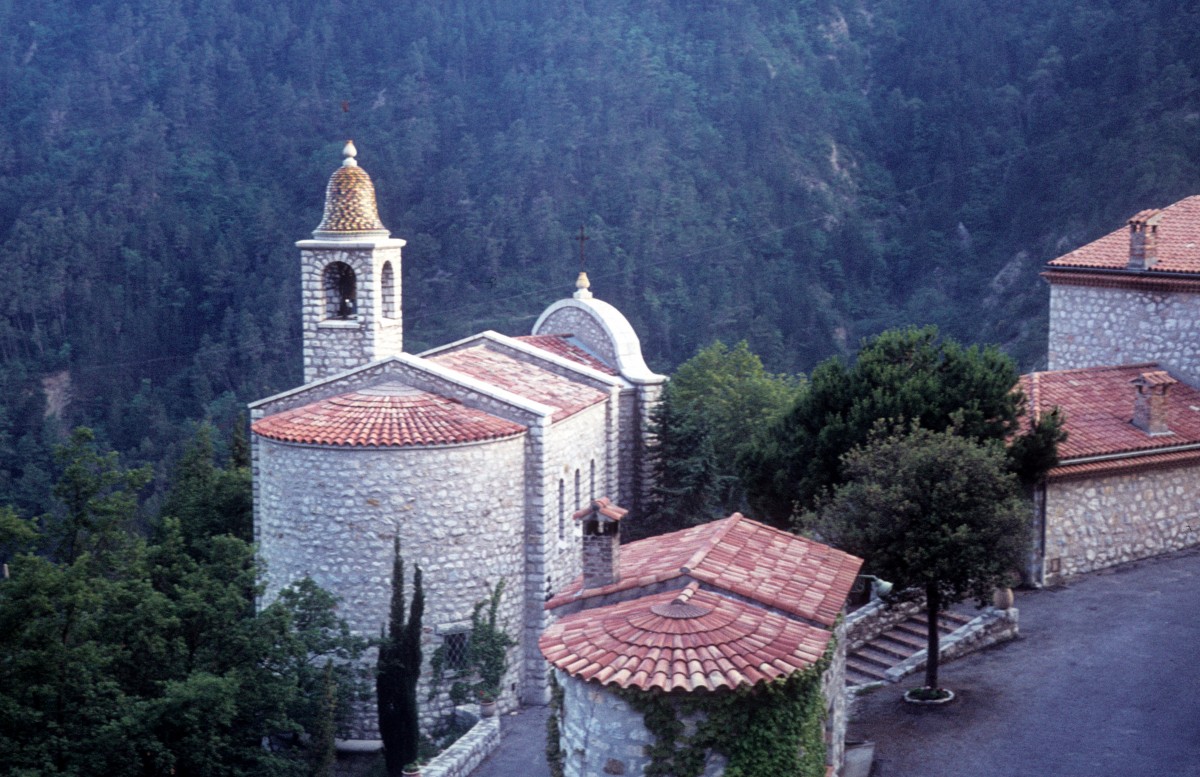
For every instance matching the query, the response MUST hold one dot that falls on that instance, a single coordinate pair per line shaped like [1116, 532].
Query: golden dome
[350, 209]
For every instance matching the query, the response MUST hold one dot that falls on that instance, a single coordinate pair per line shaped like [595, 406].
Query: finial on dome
[583, 286]
[350, 210]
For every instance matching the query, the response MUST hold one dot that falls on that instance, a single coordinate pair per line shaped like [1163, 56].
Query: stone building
[1124, 360]
[475, 454]
[727, 605]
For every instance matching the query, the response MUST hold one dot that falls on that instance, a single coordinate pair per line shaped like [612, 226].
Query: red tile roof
[604, 507]
[387, 416]
[522, 378]
[1176, 244]
[740, 556]
[561, 345]
[682, 640]
[1097, 405]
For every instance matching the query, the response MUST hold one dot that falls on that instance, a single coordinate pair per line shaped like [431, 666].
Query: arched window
[562, 509]
[387, 282]
[341, 296]
[578, 496]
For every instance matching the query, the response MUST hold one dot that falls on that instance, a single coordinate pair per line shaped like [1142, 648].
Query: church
[475, 454]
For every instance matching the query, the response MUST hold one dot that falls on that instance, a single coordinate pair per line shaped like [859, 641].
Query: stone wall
[1095, 326]
[571, 447]
[331, 514]
[1096, 522]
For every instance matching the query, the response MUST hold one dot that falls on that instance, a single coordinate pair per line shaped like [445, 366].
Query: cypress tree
[399, 668]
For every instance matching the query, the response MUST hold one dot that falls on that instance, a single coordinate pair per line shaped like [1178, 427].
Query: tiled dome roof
[350, 209]
[682, 640]
[389, 415]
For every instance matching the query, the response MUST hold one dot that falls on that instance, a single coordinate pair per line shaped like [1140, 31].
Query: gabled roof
[738, 556]
[564, 346]
[1176, 244]
[524, 378]
[685, 640]
[1097, 405]
[385, 415]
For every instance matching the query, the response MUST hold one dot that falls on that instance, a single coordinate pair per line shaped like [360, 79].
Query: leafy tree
[209, 500]
[713, 405]
[931, 511]
[399, 669]
[131, 657]
[901, 376]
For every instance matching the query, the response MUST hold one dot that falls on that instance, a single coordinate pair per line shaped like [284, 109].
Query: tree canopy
[126, 655]
[932, 511]
[901, 376]
[710, 410]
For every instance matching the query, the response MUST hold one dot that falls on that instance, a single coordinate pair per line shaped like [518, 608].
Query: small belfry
[350, 278]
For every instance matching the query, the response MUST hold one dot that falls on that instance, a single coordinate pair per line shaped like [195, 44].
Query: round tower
[350, 279]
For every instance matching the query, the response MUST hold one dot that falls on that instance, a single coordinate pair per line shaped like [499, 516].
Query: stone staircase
[869, 663]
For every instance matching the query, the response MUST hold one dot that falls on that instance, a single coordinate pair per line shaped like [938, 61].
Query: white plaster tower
[350, 279]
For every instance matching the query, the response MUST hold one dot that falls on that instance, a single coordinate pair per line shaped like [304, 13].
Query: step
[858, 672]
[913, 643]
[876, 657]
[886, 643]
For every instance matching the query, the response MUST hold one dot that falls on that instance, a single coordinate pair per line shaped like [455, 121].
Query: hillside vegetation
[798, 174]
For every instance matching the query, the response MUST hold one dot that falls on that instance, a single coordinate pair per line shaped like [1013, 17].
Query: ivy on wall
[770, 729]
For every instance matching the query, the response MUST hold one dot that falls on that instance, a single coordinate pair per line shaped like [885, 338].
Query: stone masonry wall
[331, 513]
[571, 446]
[1093, 327]
[333, 345]
[1097, 522]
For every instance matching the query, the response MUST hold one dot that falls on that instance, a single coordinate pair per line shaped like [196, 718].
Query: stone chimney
[601, 542]
[1150, 404]
[1143, 240]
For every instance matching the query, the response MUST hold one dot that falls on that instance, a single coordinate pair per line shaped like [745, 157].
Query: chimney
[1150, 404]
[601, 542]
[1143, 240]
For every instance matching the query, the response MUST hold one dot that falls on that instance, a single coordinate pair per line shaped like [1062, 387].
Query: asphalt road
[1104, 680]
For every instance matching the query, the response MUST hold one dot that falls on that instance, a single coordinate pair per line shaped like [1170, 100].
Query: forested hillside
[796, 173]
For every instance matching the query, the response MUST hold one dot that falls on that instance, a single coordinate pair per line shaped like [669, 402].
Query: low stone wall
[869, 621]
[988, 628]
[461, 758]
[360, 758]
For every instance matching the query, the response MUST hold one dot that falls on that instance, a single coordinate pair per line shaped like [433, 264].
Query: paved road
[522, 750]
[1105, 680]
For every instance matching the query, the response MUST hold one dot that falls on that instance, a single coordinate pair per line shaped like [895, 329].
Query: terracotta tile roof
[741, 556]
[522, 378]
[604, 507]
[1176, 243]
[681, 640]
[390, 415]
[561, 345]
[1125, 465]
[1097, 405]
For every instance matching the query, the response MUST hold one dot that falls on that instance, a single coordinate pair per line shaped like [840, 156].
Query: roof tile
[1176, 244]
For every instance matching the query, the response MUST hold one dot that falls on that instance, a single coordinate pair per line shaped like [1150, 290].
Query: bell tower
[350, 279]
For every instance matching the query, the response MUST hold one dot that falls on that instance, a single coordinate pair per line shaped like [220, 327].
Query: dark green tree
[930, 511]
[712, 407]
[209, 500]
[398, 670]
[128, 657]
[901, 376]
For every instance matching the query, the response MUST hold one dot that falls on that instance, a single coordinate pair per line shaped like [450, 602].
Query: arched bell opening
[387, 284]
[341, 293]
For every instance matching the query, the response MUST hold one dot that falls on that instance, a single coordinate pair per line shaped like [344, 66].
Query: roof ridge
[714, 540]
[1097, 368]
